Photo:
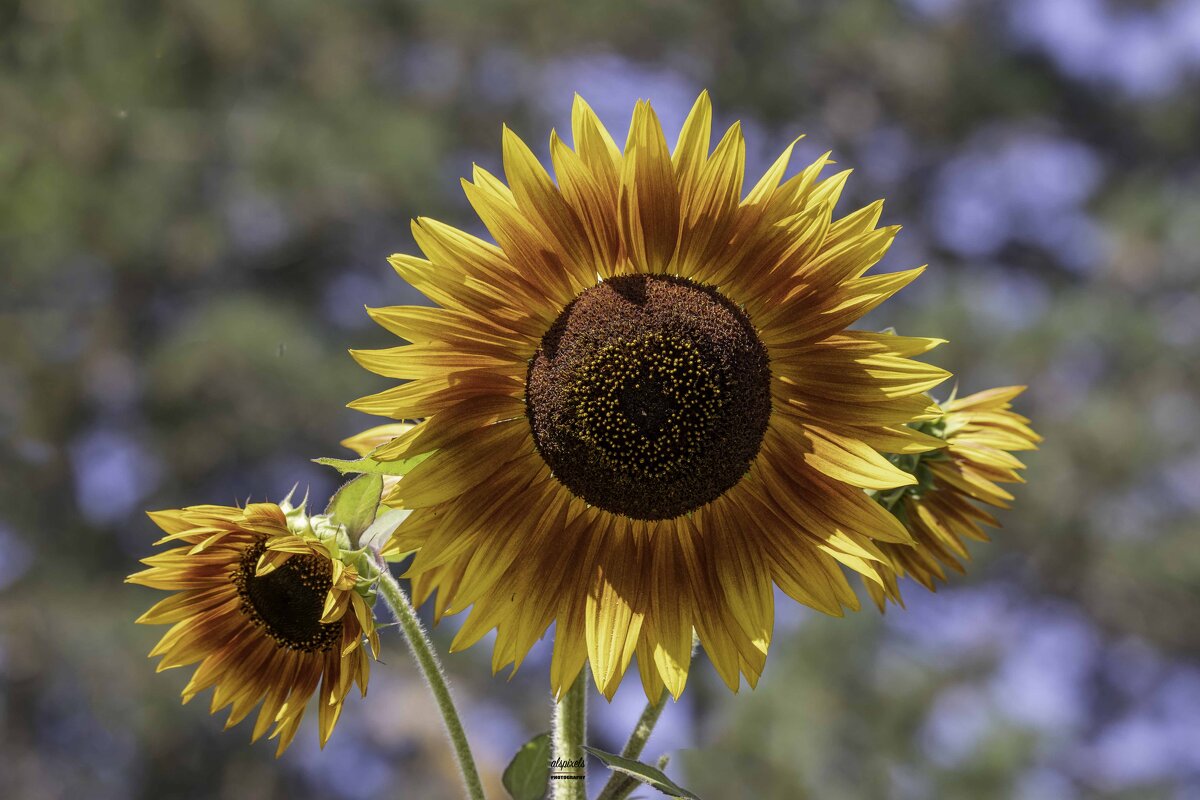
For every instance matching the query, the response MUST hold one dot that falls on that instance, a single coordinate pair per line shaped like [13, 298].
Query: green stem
[570, 735]
[619, 786]
[435, 677]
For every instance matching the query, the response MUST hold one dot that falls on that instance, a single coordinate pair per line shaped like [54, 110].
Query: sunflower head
[271, 603]
[649, 396]
[980, 433]
[640, 407]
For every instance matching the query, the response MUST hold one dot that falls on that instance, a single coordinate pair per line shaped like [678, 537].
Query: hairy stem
[570, 734]
[435, 678]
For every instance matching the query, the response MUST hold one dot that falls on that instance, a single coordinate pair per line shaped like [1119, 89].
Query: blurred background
[197, 200]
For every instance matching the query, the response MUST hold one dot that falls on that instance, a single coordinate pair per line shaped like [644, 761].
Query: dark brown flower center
[287, 602]
[649, 396]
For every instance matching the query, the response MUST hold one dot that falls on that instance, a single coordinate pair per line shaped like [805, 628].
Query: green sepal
[651, 776]
[368, 465]
[321, 527]
[915, 464]
[527, 776]
[364, 564]
[355, 503]
[925, 479]
[325, 529]
[889, 498]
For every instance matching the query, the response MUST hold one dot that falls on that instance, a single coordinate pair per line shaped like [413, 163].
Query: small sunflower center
[287, 602]
[649, 396]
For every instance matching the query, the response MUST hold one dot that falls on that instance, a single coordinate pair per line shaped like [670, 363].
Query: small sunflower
[642, 405]
[268, 609]
[942, 511]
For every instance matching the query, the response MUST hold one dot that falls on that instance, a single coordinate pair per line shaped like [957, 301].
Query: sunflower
[642, 405]
[264, 604]
[942, 512]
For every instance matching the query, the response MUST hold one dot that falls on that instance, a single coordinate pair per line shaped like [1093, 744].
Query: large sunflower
[942, 510]
[265, 607]
[643, 405]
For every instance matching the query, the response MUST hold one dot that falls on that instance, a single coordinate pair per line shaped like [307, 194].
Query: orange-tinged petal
[648, 203]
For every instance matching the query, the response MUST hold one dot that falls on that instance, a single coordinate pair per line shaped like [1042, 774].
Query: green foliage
[527, 776]
[644, 773]
[369, 466]
[355, 503]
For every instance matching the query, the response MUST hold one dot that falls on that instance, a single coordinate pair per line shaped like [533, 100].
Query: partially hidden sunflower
[942, 510]
[266, 607]
[642, 405]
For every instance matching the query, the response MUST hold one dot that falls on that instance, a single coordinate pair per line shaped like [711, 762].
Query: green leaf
[527, 776]
[645, 773]
[381, 529]
[370, 466]
[355, 503]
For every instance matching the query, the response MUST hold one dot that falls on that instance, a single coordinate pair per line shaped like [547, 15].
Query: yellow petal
[613, 626]
[648, 201]
[839, 457]
[594, 145]
[540, 200]
[594, 202]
